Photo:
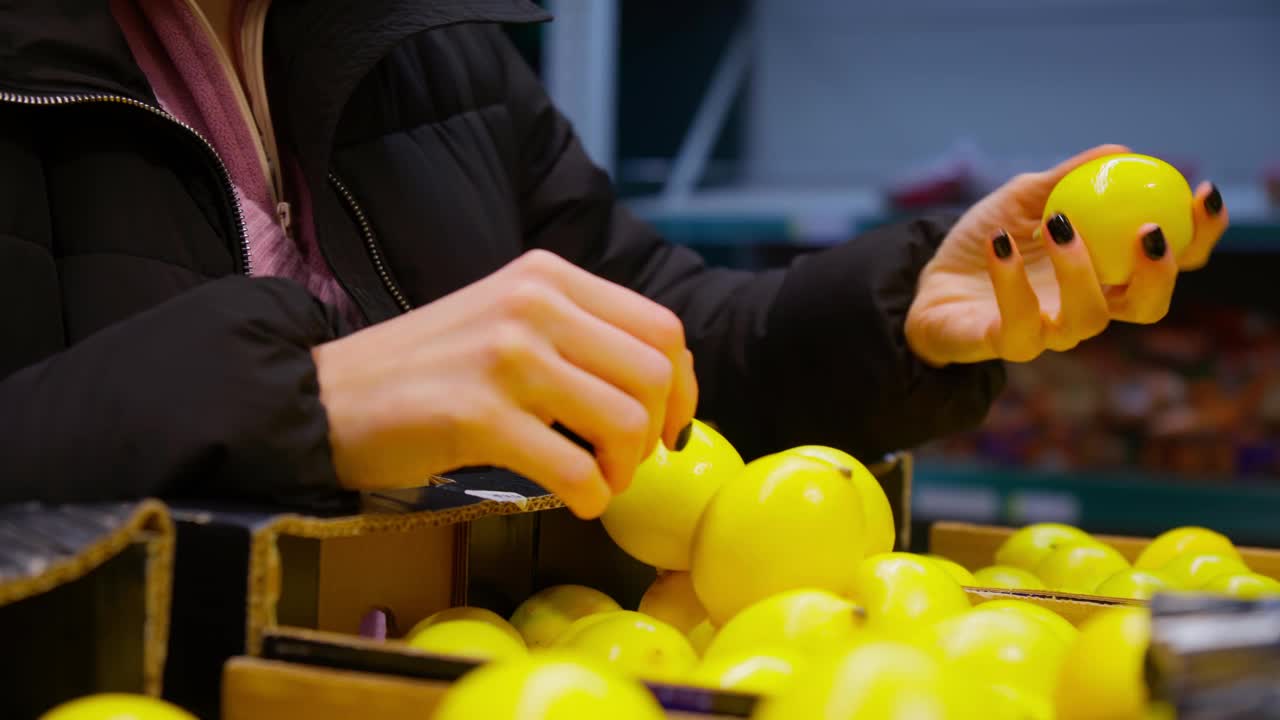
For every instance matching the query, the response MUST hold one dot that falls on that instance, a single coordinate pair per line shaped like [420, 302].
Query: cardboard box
[242, 572]
[974, 547]
[315, 674]
[84, 601]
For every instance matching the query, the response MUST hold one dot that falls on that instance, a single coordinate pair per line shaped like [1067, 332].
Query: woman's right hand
[479, 376]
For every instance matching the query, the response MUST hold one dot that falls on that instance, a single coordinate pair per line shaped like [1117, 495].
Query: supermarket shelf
[817, 218]
[1131, 503]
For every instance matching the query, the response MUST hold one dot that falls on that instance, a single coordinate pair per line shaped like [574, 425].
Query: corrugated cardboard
[974, 547]
[84, 601]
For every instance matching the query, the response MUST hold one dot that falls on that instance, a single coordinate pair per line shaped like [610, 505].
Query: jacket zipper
[223, 174]
[370, 243]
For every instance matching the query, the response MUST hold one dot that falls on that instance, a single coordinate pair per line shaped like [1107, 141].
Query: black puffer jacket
[137, 359]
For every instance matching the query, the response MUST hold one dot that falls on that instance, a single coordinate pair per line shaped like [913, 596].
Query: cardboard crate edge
[148, 523]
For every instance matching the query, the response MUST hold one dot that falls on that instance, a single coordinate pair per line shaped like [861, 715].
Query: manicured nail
[1213, 201]
[1002, 246]
[683, 438]
[1153, 244]
[1060, 229]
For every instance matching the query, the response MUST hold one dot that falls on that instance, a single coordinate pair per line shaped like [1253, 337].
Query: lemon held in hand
[1110, 198]
[654, 519]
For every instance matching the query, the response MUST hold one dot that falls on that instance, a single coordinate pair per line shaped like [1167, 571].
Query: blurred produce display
[1197, 395]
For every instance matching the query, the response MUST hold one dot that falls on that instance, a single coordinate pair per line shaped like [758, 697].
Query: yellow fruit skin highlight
[117, 706]
[466, 613]
[547, 687]
[1026, 547]
[1134, 584]
[473, 639]
[902, 592]
[1102, 677]
[1179, 541]
[655, 518]
[1109, 199]
[877, 513]
[880, 680]
[546, 614]
[1191, 571]
[670, 598]
[1007, 577]
[762, 671]
[786, 522]
[633, 643]
[1248, 586]
[1080, 568]
[957, 571]
[809, 622]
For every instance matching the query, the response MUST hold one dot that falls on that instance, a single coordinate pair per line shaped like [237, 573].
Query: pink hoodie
[187, 74]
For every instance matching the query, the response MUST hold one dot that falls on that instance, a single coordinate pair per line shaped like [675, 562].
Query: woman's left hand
[1005, 285]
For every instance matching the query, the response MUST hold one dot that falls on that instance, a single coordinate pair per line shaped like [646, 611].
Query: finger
[529, 447]
[1057, 172]
[1210, 220]
[1082, 311]
[1155, 271]
[637, 315]
[615, 423]
[682, 403]
[1019, 334]
[605, 351]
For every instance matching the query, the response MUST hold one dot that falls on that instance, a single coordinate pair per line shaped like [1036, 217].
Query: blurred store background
[754, 130]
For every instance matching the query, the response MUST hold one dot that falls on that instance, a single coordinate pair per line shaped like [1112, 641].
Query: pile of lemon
[778, 579]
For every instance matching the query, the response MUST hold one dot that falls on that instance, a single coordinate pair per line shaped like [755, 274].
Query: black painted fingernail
[683, 438]
[1060, 229]
[1213, 201]
[1002, 245]
[1153, 244]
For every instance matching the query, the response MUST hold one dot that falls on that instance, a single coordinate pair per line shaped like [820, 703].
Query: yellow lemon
[1007, 577]
[670, 598]
[760, 671]
[992, 647]
[1180, 541]
[547, 687]
[1080, 568]
[1102, 675]
[548, 613]
[1191, 571]
[701, 635]
[901, 592]
[466, 613]
[1110, 198]
[877, 512]
[957, 571]
[117, 706]
[882, 680]
[1026, 547]
[807, 621]
[785, 522]
[473, 639]
[653, 520]
[1249, 586]
[633, 643]
[1134, 584]
[1058, 624]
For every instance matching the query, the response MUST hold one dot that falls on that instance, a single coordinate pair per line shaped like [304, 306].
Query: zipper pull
[285, 215]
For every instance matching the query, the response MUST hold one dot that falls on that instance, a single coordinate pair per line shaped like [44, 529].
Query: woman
[203, 198]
